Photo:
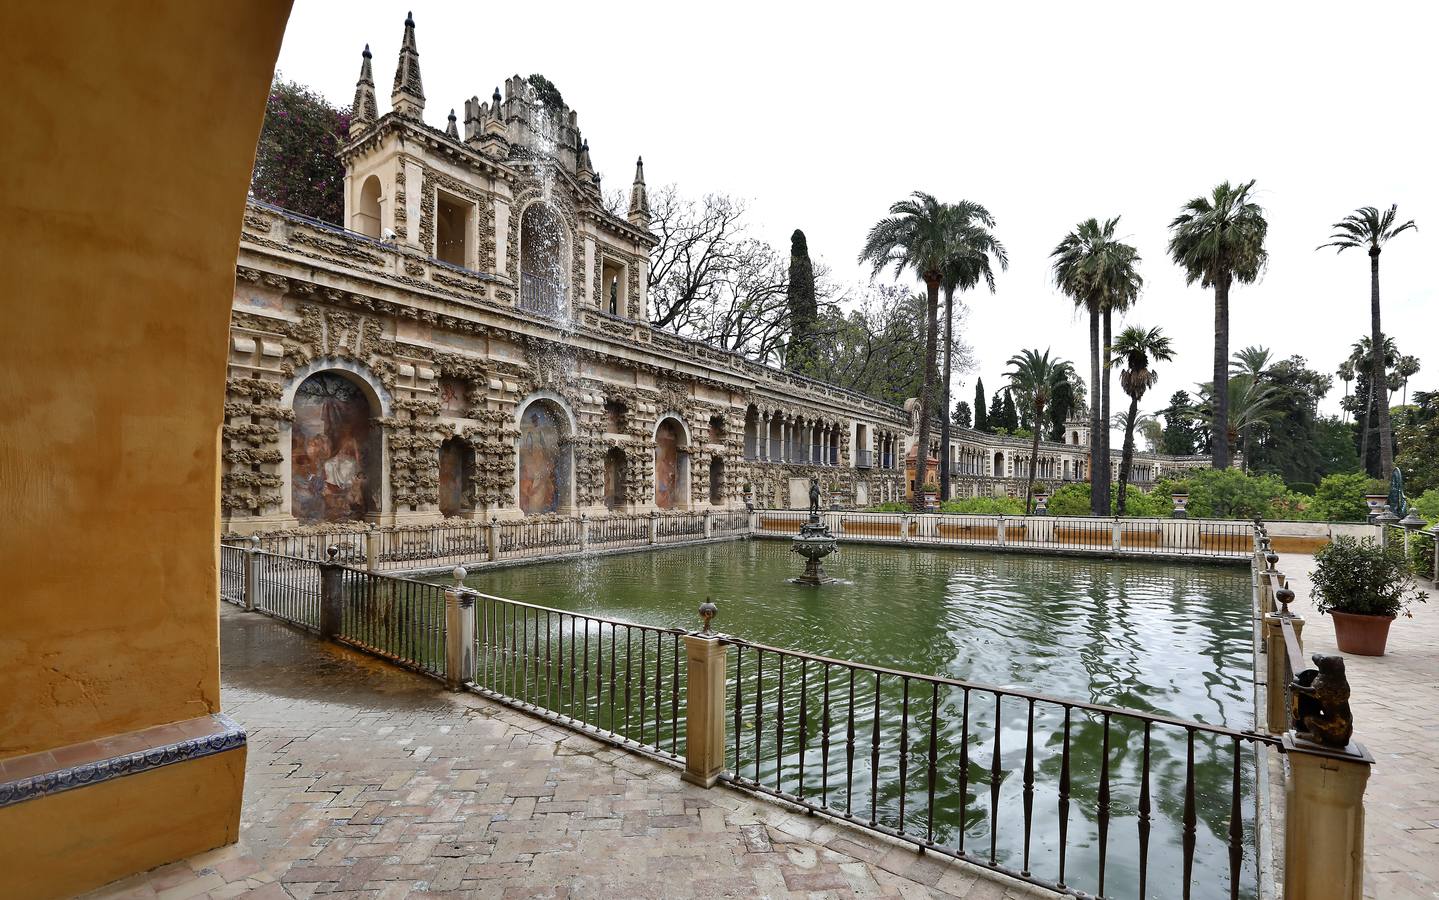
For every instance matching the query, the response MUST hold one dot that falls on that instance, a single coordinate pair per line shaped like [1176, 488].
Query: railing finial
[707, 612]
[1282, 597]
[333, 552]
[459, 572]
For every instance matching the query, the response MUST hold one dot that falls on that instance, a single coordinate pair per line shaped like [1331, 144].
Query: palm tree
[1217, 240]
[1406, 368]
[1251, 404]
[1252, 361]
[1036, 379]
[916, 236]
[1363, 356]
[1136, 349]
[1346, 375]
[1099, 273]
[972, 252]
[1367, 227]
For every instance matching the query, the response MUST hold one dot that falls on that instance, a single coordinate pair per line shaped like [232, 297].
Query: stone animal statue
[1319, 703]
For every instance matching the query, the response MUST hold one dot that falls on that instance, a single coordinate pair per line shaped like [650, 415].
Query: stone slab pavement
[365, 780]
[1395, 699]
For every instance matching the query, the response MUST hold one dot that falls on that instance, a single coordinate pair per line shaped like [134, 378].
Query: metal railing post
[704, 704]
[459, 633]
[252, 575]
[332, 600]
[372, 549]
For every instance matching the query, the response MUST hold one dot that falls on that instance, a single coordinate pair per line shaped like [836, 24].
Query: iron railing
[409, 547]
[397, 618]
[232, 573]
[618, 680]
[619, 531]
[671, 527]
[539, 537]
[961, 769]
[864, 459]
[287, 587]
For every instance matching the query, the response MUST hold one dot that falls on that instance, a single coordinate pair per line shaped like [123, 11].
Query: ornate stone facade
[476, 279]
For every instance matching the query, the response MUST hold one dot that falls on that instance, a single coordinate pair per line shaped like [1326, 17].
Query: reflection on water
[1143, 635]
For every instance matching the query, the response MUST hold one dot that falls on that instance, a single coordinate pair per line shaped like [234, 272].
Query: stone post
[459, 633]
[654, 528]
[252, 576]
[1324, 820]
[372, 549]
[1117, 536]
[705, 700]
[709, 524]
[332, 596]
[1181, 505]
[494, 538]
[1000, 531]
[1277, 672]
[584, 532]
[904, 524]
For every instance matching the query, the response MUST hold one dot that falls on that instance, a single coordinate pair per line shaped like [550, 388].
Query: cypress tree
[1011, 414]
[803, 308]
[981, 414]
[996, 412]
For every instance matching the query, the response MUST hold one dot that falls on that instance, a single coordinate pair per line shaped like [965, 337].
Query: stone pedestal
[1324, 821]
[705, 709]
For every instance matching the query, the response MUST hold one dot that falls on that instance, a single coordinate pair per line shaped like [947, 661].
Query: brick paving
[1395, 699]
[364, 780]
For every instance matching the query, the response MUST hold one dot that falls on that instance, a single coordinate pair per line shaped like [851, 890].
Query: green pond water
[1149, 636]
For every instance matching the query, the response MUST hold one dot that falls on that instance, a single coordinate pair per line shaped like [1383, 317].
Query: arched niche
[366, 219]
[671, 464]
[336, 449]
[999, 465]
[544, 457]
[717, 481]
[543, 251]
[751, 433]
[615, 465]
[457, 472]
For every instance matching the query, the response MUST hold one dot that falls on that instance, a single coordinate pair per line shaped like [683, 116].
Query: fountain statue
[814, 542]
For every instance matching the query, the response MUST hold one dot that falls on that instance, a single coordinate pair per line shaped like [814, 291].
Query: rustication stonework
[467, 298]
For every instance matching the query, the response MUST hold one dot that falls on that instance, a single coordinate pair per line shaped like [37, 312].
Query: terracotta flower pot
[1361, 635]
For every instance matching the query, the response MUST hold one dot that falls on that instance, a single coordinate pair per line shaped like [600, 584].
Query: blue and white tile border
[229, 736]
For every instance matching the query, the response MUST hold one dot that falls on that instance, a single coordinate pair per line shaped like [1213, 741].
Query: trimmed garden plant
[1363, 587]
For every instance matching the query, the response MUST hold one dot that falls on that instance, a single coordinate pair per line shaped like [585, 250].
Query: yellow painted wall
[129, 133]
[66, 843]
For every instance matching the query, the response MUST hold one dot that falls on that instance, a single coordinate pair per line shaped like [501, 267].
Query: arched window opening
[542, 266]
[334, 451]
[615, 478]
[453, 218]
[457, 473]
[615, 413]
[544, 459]
[716, 481]
[612, 287]
[999, 465]
[751, 433]
[366, 219]
[671, 463]
[1074, 438]
[716, 429]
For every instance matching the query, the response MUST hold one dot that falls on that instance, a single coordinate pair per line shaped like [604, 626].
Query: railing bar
[1236, 829]
[903, 752]
[1103, 799]
[995, 772]
[1064, 797]
[874, 759]
[1189, 812]
[1028, 786]
[1144, 810]
[779, 730]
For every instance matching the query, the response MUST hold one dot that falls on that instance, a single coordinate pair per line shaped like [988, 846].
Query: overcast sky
[821, 115]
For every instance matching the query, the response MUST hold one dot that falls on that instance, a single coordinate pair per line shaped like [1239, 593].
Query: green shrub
[1421, 554]
[984, 506]
[1303, 487]
[1427, 505]
[1232, 494]
[1070, 500]
[894, 506]
[1340, 498]
[1360, 577]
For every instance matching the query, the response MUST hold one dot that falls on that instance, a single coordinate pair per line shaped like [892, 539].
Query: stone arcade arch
[366, 219]
[544, 456]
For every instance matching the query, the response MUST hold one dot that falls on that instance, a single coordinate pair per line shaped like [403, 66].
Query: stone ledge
[92, 762]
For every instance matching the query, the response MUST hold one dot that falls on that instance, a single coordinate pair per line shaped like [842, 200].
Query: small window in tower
[612, 288]
[452, 230]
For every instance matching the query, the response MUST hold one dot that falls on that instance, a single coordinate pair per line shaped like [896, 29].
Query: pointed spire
[584, 166]
[495, 103]
[408, 97]
[365, 110]
[639, 198]
[450, 129]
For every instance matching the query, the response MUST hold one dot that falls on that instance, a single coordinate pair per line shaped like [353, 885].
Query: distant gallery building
[475, 343]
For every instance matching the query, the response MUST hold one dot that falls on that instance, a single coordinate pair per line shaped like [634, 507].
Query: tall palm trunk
[1364, 430]
[1106, 470]
[944, 410]
[1126, 459]
[1220, 397]
[926, 386]
[1380, 389]
[1033, 458]
[1096, 409]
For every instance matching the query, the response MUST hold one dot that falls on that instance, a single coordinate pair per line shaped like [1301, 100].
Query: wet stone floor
[364, 780]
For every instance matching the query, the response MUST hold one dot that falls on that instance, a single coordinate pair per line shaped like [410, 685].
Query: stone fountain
[814, 542]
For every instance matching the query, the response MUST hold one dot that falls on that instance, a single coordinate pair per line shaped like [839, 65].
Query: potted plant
[931, 496]
[1363, 586]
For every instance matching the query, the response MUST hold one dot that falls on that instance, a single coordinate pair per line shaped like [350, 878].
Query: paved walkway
[364, 780]
[1396, 715]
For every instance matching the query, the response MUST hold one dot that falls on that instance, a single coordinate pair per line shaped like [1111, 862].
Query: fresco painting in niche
[542, 469]
[452, 396]
[615, 478]
[667, 465]
[456, 467]
[334, 452]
